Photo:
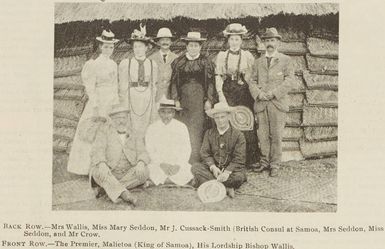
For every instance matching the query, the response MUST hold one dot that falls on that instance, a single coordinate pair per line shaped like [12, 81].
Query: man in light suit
[163, 58]
[118, 158]
[273, 76]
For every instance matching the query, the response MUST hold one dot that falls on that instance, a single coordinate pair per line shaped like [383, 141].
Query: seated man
[118, 158]
[223, 152]
[168, 144]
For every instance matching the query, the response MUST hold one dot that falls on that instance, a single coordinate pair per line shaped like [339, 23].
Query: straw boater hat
[140, 35]
[235, 29]
[164, 33]
[193, 37]
[168, 104]
[219, 108]
[271, 33]
[118, 109]
[211, 191]
[107, 37]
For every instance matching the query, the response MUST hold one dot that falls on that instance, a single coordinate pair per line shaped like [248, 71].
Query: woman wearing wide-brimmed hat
[137, 83]
[100, 78]
[192, 86]
[233, 70]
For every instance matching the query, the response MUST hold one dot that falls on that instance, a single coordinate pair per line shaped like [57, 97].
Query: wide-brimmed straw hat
[193, 37]
[140, 35]
[165, 103]
[107, 37]
[211, 191]
[235, 29]
[219, 108]
[164, 33]
[118, 109]
[271, 33]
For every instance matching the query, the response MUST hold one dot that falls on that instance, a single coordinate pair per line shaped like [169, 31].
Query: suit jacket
[234, 158]
[278, 79]
[164, 72]
[108, 148]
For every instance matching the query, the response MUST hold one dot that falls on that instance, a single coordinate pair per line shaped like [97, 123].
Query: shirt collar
[163, 53]
[192, 58]
[223, 131]
[141, 58]
[274, 54]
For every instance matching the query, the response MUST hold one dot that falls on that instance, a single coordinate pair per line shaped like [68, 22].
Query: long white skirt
[79, 160]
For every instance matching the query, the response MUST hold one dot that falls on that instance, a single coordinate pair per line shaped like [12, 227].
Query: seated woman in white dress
[169, 148]
[100, 78]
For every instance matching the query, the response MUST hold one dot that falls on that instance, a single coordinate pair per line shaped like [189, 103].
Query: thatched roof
[70, 12]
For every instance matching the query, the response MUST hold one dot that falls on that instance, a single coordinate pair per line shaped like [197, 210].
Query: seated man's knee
[100, 172]
[196, 168]
[142, 172]
[236, 179]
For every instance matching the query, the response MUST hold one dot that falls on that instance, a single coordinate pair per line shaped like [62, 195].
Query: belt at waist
[136, 84]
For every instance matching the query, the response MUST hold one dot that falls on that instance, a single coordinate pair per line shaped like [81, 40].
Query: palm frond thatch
[66, 133]
[291, 156]
[299, 64]
[290, 146]
[296, 100]
[321, 133]
[70, 12]
[320, 81]
[64, 122]
[322, 47]
[320, 116]
[292, 133]
[318, 149]
[294, 118]
[322, 65]
[68, 66]
[68, 109]
[325, 98]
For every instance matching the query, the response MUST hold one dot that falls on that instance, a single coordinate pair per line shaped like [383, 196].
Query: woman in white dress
[137, 84]
[100, 78]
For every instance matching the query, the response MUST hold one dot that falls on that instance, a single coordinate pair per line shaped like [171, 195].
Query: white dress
[169, 144]
[100, 78]
[139, 96]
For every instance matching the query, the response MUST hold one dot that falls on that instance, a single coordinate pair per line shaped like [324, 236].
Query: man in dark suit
[273, 76]
[223, 152]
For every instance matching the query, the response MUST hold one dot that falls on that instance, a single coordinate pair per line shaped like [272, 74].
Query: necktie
[141, 71]
[234, 52]
[164, 58]
[268, 61]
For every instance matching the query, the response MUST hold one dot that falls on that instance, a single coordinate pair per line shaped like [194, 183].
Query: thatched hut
[310, 37]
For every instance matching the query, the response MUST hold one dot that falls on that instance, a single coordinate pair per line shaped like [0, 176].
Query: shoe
[128, 197]
[99, 192]
[263, 165]
[230, 192]
[273, 172]
[148, 184]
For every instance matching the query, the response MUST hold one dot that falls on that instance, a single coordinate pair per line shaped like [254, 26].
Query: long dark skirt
[193, 116]
[236, 95]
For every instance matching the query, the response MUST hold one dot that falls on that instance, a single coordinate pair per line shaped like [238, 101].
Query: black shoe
[263, 165]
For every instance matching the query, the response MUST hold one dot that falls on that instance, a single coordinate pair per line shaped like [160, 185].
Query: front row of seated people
[121, 160]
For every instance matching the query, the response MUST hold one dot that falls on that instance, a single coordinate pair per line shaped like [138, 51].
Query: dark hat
[271, 33]
[137, 35]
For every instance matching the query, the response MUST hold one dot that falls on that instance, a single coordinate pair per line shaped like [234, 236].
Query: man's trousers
[114, 183]
[203, 174]
[270, 132]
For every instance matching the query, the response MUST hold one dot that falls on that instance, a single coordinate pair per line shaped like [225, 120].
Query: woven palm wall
[311, 126]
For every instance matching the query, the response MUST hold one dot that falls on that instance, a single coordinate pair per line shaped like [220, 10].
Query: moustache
[165, 44]
[269, 46]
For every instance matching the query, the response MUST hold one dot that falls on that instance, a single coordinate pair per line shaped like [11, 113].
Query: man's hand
[263, 96]
[224, 176]
[269, 95]
[208, 105]
[215, 170]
